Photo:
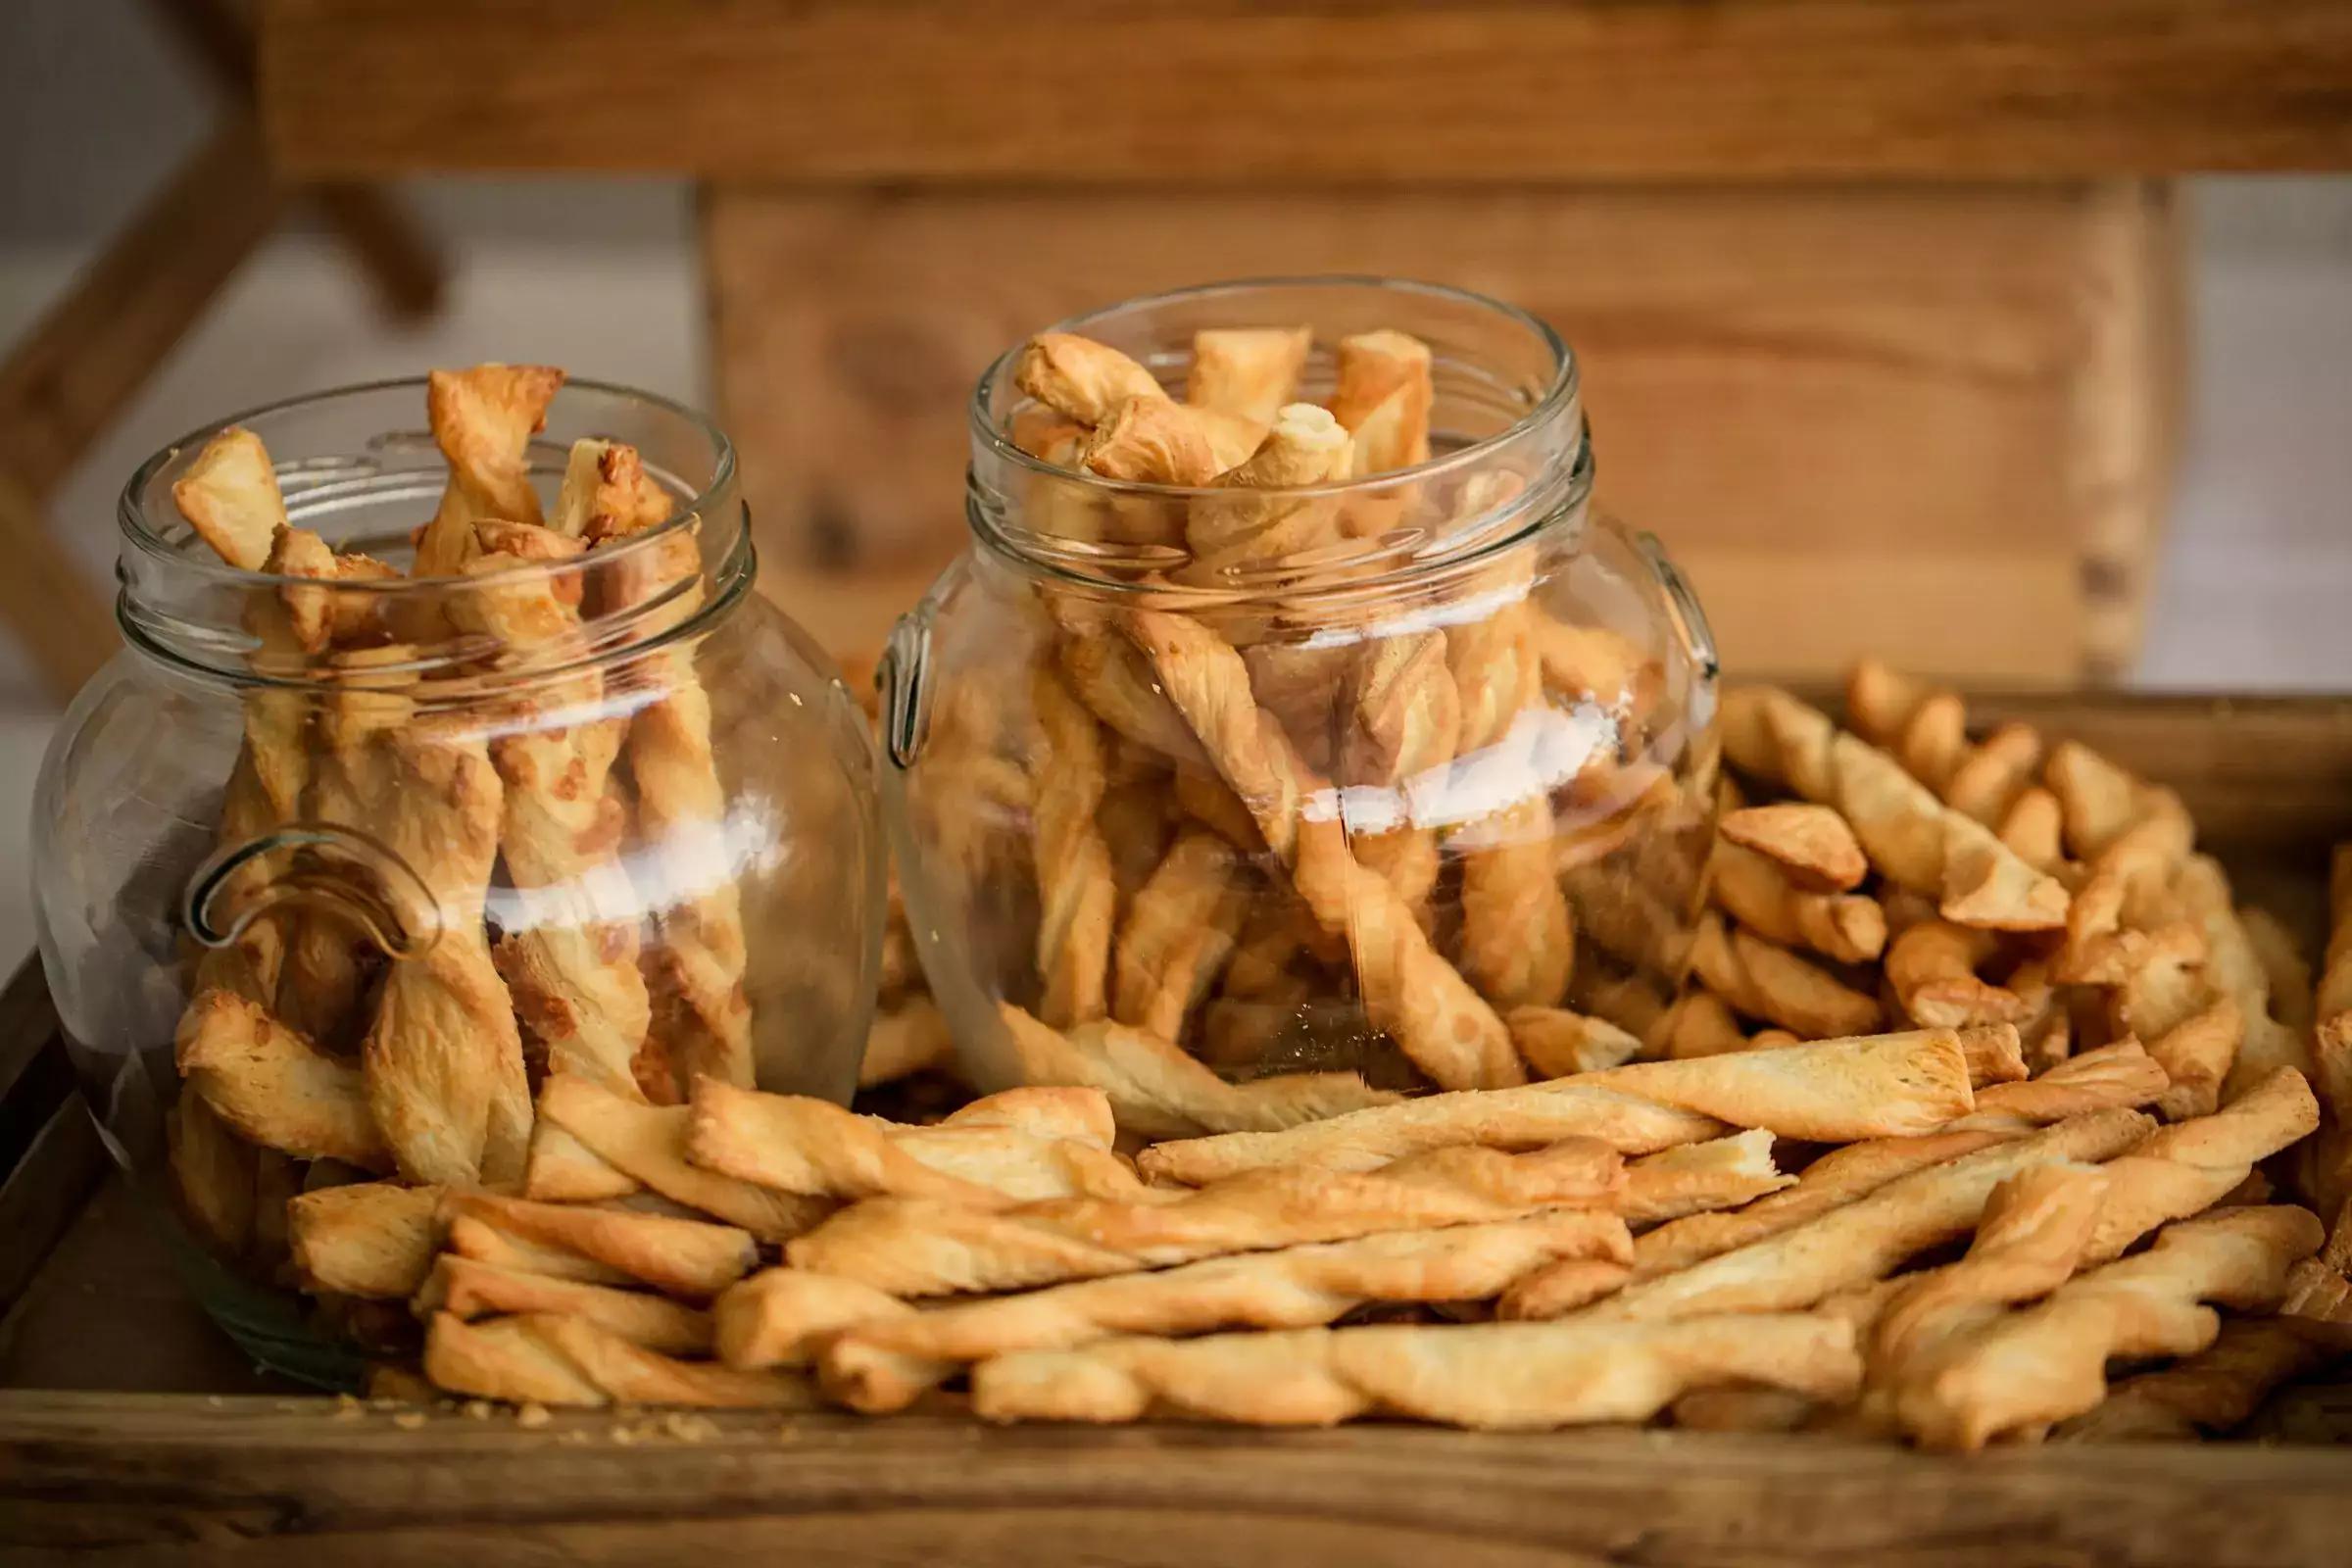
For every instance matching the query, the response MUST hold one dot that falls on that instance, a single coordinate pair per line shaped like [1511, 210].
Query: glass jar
[1252, 804]
[332, 862]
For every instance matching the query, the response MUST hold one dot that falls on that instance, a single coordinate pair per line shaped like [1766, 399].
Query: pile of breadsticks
[2071, 1192]
[1304, 815]
[460, 723]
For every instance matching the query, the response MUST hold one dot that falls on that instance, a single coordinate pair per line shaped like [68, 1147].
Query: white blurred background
[2255, 585]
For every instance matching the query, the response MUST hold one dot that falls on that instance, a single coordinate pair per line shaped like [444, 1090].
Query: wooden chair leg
[397, 257]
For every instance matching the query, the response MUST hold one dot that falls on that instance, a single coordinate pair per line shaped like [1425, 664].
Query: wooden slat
[114, 1478]
[1065, 90]
[1892, 418]
[55, 613]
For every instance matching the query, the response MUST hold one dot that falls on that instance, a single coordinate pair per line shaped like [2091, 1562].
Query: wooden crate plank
[111, 1478]
[1174, 92]
[1815, 396]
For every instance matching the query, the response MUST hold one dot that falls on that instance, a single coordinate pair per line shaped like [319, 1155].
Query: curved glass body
[1419, 767]
[610, 814]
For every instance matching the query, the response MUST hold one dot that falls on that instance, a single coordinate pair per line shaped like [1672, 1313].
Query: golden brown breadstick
[1831, 1090]
[646, 1145]
[784, 1316]
[883, 1366]
[1247, 371]
[1149, 440]
[2185, 1168]
[467, 1289]
[482, 420]
[2335, 998]
[1076, 894]
[364, 1239]
[1810, 844]
[213, 1175]
[912, 1246]
[2050, 1362]
[1848, 927]
[1698, 1178]
[1518, 942]
[2214, 1392]
[560, 1360]
[1494, 1375]
[1157, 1091]
[1079, 377]
[2119, 1074]
[1560, 1043]
[1384, 395]
[686, 1257]
[1179, 931]
[1111, 677]
[269, 1085]
[794, 1144]
[694, 967]
[1926, 729]
[1243, 524]
[908, 1038]
[1408, 989]
[1866, 1239]
[1932, 968]
[2030, 1240]
[1911, 837]
[1769, 982]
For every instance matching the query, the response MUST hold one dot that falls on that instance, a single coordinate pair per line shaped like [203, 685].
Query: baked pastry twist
[561, 1361]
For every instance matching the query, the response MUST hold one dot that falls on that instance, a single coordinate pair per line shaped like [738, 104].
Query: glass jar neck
[1510, 460]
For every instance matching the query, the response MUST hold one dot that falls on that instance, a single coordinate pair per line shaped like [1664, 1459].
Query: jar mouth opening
[1559, 395]
[186, 553]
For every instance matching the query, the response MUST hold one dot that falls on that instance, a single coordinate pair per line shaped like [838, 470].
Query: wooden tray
[131, 1430]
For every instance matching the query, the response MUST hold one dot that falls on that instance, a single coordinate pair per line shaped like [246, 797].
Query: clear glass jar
[1406, 776]
[596, 807]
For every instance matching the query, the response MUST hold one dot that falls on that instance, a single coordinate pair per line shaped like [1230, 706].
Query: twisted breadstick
[1831, 1090]
[482, 420]
[1518, 940]
[693, 970]
[1159, 1092]
[2216, 1391]
[883, 1366]
[1915, 840]
[2029, 1242]
[373, 1240]
[2335, 998]
[1931, 969]
[625, 1144]
[1498, 1375]
[1076, 894]
[1178, 933]
[2050, 1362]
[1769, 982]
[2186, 1167]
[567, 1361]
[1110, 675]
[1247, 371]
[1850, 927]
[1384, 394]
[784, 1316]
[2233, 971]
[912, 1246]
[465, 1288]
[1560, 1043]
[272, 1087]
[570, 960]
[1408, 990]
[797, 1145]
[1810, 844]
[684, 1257]
[1248, 520]
[1866, 1239]
[1927, 731]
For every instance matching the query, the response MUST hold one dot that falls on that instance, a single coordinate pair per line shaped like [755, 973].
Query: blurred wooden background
[1879, 304]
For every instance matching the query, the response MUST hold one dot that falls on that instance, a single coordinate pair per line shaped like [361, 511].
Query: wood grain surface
[1186, 90]
[286, 1481]
[1905, 420]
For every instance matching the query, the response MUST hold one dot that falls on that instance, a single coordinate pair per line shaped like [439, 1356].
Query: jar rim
[139, 529]
[1559, 393]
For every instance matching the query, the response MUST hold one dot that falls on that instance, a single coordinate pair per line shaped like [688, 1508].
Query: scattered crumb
[531, 1414]
[689, 1428]
[625, 1436]
[477, 1410]
[348, 1408]
[572, 1438]
[788, 1433]
[214, 1401]
[409, 1420]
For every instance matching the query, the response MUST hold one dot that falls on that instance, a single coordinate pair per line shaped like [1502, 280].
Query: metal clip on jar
[1253, 805]
[607, 814]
